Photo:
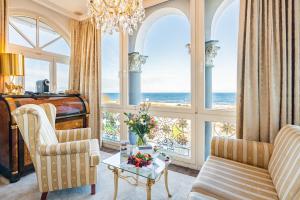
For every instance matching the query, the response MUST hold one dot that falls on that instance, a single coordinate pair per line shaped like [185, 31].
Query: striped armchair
[62, 159]
[241, 169]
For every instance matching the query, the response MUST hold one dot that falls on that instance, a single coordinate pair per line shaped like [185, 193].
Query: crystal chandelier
[110, 15]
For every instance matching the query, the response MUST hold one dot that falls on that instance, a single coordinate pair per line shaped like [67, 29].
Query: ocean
[180, 98]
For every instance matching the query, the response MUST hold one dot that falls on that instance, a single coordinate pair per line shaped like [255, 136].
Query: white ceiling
[77, 9]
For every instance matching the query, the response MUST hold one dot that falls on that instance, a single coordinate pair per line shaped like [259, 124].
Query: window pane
[111, 126]
[60, 46]
[166, 74]
[110, 58]
[221, 87]
[62, 78]
[173, 135]
[35, 70]
[46, 34]
[16, 38]
[26, 25]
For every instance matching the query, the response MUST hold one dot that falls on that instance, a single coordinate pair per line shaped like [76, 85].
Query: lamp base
[14, 89]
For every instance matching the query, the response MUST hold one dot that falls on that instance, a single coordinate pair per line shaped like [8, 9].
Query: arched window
[166, 75]
[224, 73]
[46, 52]
[221, 70]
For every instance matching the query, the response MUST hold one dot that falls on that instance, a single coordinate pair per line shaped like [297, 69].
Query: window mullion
[24, 36]
[37, 33]
[52, 41]
[53, 80]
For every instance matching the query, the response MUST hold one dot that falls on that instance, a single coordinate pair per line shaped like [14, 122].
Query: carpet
[27, 189]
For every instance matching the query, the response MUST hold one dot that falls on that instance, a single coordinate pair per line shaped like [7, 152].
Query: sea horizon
[218, 98]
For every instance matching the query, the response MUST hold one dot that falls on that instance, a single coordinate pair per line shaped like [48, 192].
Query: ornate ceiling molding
[82, 16]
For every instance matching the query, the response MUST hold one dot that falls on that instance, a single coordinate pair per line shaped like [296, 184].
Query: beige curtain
[85, 68]
[3, 34]
[268, 68]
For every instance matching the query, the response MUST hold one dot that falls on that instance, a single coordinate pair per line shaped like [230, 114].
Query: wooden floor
[172, 167]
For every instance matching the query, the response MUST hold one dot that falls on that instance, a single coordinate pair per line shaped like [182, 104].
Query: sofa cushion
[249, 152]
[225, 179]
[284, 166]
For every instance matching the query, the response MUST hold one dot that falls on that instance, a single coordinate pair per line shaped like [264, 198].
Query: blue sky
[225, 70]
[168, 66]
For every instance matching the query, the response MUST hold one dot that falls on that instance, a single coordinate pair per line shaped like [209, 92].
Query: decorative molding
[61, 10]
[211, 51]
[136, 61]
[150, 3]
[83, 16]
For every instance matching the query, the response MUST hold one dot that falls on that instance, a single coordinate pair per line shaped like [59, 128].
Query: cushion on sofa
[284, 166]
[225, 179]
[249, 152]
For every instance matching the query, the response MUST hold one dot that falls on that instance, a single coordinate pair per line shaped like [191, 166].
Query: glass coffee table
[152, 173]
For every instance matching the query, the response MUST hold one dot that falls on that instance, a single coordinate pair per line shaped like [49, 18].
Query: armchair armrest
[73, 134]
[244, 151]
[73, 147]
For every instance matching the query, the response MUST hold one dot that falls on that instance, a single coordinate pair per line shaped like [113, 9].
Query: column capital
[211, 51]
[136, 60]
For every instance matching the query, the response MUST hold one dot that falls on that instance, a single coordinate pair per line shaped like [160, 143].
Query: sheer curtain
[85, 68]
[268, 68]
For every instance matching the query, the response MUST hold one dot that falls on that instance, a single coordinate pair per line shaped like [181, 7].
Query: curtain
[268, 94]
[3, 34]
[85, 68]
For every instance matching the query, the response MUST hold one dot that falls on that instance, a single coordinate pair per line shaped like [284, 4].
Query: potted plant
[141, 124]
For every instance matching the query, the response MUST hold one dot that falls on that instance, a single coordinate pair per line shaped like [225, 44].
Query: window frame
[166, 111]
[197, 113]
[37, 52]
[115, 105]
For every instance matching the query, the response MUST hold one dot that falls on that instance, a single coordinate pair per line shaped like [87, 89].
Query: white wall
[27, 7]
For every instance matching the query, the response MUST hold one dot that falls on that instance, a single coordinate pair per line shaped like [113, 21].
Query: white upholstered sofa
[241, 169]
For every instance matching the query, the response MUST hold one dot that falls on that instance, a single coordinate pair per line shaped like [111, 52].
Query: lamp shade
[11, 64]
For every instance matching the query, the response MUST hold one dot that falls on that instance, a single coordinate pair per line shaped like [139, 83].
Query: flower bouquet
[141, 123]
[140, 160]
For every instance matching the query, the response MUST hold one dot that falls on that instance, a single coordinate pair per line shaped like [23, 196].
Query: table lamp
[12, 65]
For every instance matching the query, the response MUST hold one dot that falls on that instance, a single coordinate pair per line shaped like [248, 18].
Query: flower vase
[141, 141]
[132, 138]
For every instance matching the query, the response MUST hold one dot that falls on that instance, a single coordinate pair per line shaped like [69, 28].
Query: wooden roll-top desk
[72, 112]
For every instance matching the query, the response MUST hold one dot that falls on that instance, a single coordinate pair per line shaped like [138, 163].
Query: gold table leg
[149, 185]
[166, 182]
[116, 181]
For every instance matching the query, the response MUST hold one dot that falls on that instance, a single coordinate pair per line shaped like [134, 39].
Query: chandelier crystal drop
[111, 15]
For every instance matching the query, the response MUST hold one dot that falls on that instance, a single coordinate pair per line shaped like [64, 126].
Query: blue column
[134, 84]
[208, 105]
[210, 53]
[135, 87]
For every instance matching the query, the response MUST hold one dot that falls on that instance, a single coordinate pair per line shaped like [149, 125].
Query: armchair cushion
[32, 117]
[221, 178]
[50, 111]
[244, 151]
[74, 134]
[74, 147]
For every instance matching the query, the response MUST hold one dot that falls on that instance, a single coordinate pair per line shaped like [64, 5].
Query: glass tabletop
[152, 171]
